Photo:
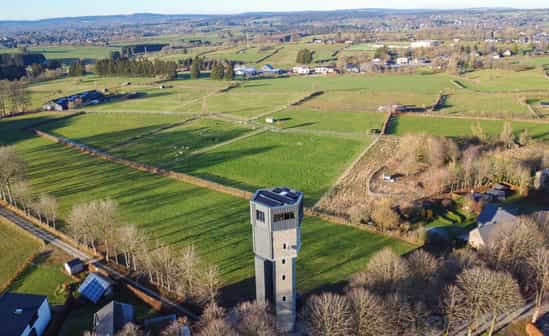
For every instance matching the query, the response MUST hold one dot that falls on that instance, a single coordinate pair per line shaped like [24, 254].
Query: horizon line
[268, 12]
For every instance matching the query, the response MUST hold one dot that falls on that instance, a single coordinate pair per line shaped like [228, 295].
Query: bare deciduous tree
[386, 273]
[328, 315]
[368, 313]
[12, 170]
[254, 319]
[539, 264]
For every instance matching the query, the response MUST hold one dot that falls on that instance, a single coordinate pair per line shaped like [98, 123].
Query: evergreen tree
[304, 56]
[195, 69]
[218, 71]
[229, 73]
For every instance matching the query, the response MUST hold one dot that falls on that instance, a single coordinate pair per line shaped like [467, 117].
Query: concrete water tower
[276, 216]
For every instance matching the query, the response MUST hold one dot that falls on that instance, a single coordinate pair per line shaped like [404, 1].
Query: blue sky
[37, 9]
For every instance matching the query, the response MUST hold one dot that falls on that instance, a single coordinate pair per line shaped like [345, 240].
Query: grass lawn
[217, 224]
[175, 144]
[356, 122]
[459, 127]
[309, 163]
[16, 248]
[104, 130]
[45, 276]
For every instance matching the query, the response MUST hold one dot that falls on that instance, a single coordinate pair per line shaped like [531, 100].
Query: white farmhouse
[424, 44]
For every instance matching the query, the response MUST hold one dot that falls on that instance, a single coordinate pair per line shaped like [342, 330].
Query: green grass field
[477, 104]
[307, 162]
[346, 122]
[459, 127]
[178, 143]
[180, 214]
[69, 53]
[16, 248]
[103, 130]
[368, 100]
[45, 276]
[506, 80]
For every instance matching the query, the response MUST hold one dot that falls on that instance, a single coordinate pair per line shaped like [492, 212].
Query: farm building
[323, 70]
[241, 70]
[493, 222]
[269, 69]
[95, 287]
[24, 314]
[74, 266]
[112, 318]
[402, 60]
[301, 70]
[86, 98]
[424, 44]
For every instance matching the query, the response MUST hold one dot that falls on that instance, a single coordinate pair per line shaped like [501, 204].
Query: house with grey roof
[24, 314]
[112, 318]
[493, 222]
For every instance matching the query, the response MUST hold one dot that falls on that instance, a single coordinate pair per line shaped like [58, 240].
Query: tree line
[14, 97]
[426, 295]
[13, 66]
[141, 67]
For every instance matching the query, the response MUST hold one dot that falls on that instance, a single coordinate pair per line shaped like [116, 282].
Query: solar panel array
[277, 197]
[93, 288]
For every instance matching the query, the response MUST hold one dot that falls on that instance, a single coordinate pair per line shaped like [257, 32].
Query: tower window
[283, 277]
[284, 298]
[260, 216]
[283, 216]
[283, 261]
[284, 246]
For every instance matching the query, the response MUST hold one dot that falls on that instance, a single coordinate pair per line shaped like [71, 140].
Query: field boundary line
[193, 180]
[152, 133]
[432, 115]
[228, 142]
[182, 177]
[347, 170]
[298, 102]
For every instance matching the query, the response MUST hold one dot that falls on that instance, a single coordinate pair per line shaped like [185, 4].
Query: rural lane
[74, 252]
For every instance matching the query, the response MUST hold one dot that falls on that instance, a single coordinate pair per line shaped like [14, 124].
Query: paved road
[46, 236]
[73, 252]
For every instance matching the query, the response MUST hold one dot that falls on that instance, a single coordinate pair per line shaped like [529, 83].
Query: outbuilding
[95, 287]
[74, 266]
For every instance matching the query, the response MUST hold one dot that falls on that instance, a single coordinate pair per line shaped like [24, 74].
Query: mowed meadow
[198, 128]
[180, 214]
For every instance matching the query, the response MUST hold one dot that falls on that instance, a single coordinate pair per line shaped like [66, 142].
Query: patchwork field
[456, 127]
[180, 214]
[16, 248]
[68, 53]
